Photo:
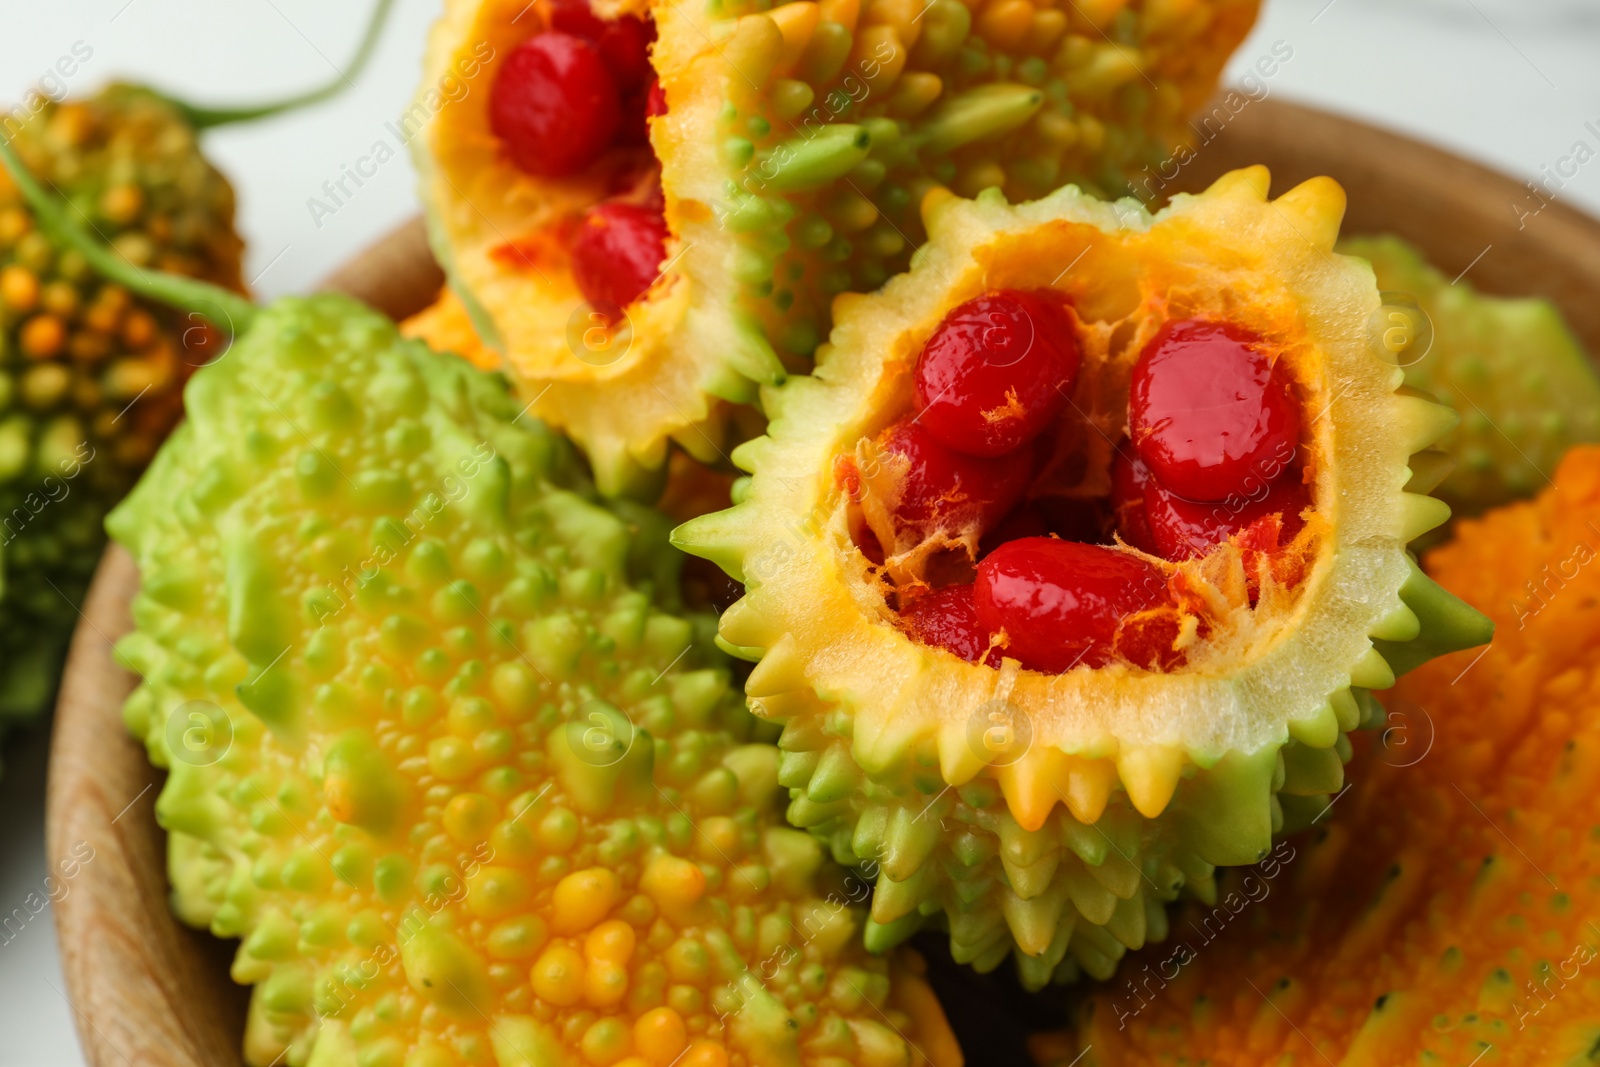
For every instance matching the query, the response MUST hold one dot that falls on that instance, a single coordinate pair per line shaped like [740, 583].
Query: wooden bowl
[147, 990]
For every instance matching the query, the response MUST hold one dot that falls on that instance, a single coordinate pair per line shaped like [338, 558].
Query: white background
[1510, 82]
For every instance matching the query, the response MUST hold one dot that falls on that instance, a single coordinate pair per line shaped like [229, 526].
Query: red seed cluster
[1214, 429]
[562, 99]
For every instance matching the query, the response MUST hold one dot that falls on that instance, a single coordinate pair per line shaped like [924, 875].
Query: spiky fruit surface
[1522, 383]
[1057, 811]
[91, 378]
[798, 141]
[462, 788]
[1444, 910]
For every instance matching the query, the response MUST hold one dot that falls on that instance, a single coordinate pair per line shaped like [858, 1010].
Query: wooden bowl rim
[145, 989]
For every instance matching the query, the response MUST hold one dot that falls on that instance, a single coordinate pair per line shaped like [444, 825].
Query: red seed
[948, 618]
[1129, 476]
[617, 253]
[1186, 529]
[945, 489]
[1062, 603]
[554, 104]
[624, 47]
[1208, 413]
[997, 371]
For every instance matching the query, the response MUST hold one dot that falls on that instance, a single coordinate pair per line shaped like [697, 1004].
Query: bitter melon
[435, 751]
[1040, 691]
[465, 794]
[91, 374]
[634, 299]
[1523, 385]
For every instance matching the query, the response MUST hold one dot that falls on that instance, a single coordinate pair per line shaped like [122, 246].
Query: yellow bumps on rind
[1251, 183]
[1042, 783]
[1150, 775]
[1424, 420]
[1443, 910]
[796, 23]
[470, 791]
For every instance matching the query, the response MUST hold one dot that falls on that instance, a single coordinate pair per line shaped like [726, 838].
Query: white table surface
[1508, 82]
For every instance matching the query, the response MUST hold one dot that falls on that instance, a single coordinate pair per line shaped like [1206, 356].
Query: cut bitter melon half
[1046, 780]
[1522, 383]
[635, 299]
[440, 749]
[439, 758]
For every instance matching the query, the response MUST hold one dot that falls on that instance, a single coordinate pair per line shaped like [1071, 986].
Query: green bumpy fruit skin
[90, 377]
[381, 612]
[1524, 386]
[826, 166]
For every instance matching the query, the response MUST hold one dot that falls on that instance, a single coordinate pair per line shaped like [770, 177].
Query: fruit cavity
[1210, 457]
[561, 100]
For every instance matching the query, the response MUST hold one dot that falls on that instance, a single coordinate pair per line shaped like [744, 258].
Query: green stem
[205, 118]
[55, 218]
